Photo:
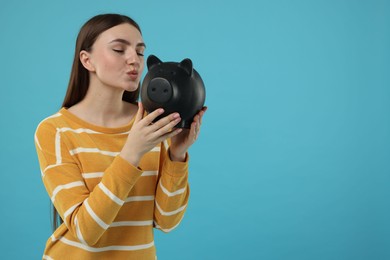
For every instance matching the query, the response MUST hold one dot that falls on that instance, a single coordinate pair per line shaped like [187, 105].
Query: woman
[110, 172]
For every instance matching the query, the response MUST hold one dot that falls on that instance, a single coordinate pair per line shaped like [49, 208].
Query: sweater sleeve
[87, 214]
[172, 192]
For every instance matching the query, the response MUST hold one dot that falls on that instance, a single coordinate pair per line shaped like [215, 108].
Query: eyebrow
[141, 44]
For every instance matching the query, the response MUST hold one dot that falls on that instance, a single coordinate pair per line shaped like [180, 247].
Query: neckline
[107, 130]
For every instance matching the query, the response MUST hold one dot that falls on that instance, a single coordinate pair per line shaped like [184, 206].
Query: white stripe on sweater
[168, 229]
[156, 149]
[139, 198]
[77, 130]
[78, 232]
[70, 211]
[169, 213]
[166, 145]
[107, 248]
[65, 187]
[39, 146]
[132, 223]
[149, 173]
[85, 130]
[58, 147]
[111, 195]
[91, 175]
[53, 166]
[35, 135]
[94, 216]
[96, 150]
[171, 194]
[43, 173]
[92, 150]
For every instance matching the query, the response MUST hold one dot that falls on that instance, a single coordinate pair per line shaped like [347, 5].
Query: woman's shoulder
[52, 122]
[47, 129]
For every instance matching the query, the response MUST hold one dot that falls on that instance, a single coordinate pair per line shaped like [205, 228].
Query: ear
[152, 61]
[86, 60]
[186, 64]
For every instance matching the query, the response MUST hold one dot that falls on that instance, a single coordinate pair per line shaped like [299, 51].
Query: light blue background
[294, 157]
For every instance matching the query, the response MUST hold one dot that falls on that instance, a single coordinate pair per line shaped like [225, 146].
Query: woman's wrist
[181, 157]
[130, 157]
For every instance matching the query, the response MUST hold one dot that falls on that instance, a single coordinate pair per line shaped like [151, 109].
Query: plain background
[294, 157]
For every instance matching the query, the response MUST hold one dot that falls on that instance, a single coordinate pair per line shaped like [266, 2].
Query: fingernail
[161, 110]
[177, 115]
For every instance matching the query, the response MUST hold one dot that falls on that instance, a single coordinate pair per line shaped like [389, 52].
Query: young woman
[110, 172]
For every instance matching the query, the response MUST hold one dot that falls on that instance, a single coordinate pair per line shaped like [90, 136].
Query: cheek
[112, 63]
[108, 62]
[141, 67]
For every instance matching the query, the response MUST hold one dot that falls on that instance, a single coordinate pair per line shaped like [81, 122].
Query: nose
[133, 58]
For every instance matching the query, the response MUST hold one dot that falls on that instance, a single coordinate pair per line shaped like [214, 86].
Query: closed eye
[118, 51]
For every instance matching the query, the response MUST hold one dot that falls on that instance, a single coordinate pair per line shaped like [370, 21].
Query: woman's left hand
[181, 142]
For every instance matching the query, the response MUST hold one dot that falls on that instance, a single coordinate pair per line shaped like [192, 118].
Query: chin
[131, 87]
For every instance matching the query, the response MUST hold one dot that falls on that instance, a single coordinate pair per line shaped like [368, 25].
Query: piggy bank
[175, 87]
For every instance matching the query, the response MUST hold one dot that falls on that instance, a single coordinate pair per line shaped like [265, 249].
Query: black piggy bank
[175, 87]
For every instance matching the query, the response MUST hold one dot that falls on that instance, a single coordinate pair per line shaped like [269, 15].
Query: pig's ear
[152, 61]
[186, 64]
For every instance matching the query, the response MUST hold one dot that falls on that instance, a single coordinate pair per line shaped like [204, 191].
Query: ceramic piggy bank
[175, 87]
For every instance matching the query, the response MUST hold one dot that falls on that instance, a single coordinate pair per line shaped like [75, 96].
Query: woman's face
[117, 57]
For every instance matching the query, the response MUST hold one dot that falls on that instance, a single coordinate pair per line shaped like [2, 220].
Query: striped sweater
[109, 206]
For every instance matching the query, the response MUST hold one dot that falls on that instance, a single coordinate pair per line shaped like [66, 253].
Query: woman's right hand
[145, 135]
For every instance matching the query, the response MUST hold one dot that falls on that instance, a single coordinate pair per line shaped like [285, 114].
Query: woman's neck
[103, 106]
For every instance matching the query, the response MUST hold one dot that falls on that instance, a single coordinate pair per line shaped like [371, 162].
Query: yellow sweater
[109, 207]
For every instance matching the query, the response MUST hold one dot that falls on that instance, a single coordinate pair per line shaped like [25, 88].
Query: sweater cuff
[125, 170]
[176, 169]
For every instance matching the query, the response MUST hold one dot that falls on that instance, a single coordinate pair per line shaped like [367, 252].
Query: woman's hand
[144, 135]
[181, 142]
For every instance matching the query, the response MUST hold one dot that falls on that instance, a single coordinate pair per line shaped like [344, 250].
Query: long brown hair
[79, 76]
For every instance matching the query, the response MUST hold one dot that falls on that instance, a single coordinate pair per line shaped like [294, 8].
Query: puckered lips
[133, 74]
